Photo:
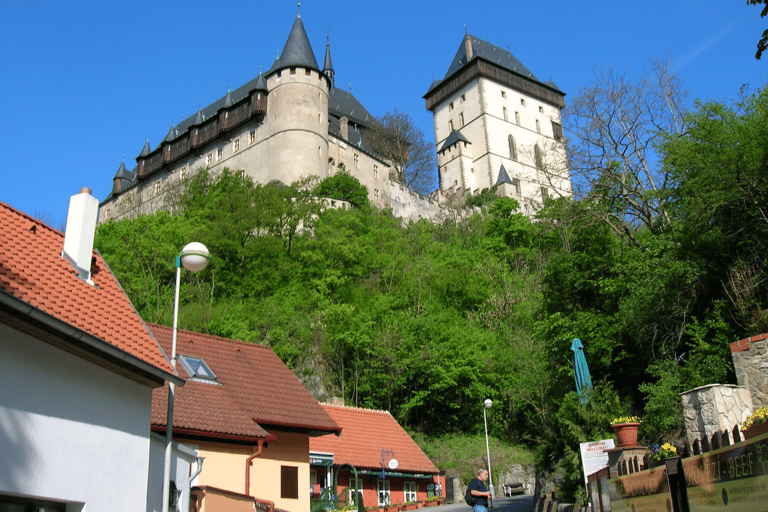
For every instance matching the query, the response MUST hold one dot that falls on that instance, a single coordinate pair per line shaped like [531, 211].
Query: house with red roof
[250, 418]
[78, 365]
[391, 468]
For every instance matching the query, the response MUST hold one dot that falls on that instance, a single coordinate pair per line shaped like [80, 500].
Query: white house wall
[69, 430]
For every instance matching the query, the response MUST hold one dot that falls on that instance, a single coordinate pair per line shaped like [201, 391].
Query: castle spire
[297, 51]
[328, 65]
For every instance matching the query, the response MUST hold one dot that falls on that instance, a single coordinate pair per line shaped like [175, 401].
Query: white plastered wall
[69, 430]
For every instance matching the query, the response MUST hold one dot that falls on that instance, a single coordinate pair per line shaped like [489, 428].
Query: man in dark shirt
[478, 489]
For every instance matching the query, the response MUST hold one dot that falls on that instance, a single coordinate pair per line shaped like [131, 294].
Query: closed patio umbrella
[580, 370]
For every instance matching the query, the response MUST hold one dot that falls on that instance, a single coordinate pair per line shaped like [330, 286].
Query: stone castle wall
[750, 357]
[715, 409]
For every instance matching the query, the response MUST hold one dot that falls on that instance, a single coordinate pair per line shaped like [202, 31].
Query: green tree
[345, 187]
[762, 44]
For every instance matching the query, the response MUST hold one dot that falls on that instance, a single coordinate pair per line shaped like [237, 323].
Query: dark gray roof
[146, 149]
[454, 137]
[297, 51]
[503, 177]
[232, 97]
[327, 65]
[343, 103]
[491, 53]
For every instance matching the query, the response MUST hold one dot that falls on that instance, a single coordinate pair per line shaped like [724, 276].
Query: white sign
[594, 457]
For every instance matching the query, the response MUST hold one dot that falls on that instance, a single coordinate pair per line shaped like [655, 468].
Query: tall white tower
[496, 124]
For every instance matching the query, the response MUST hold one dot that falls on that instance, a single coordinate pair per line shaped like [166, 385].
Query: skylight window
[196, 368]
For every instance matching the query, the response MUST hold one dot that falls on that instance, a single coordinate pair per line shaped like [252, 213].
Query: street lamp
[194, 256]
[488, 403]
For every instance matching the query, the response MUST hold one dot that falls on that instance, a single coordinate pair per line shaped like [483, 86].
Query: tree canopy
[427, 320]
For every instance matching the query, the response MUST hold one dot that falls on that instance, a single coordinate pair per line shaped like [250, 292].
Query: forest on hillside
[656, 266]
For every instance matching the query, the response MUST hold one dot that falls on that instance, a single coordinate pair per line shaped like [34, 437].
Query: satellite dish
[392, 463]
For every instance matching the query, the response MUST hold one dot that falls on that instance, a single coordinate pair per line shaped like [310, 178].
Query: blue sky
[85, 83]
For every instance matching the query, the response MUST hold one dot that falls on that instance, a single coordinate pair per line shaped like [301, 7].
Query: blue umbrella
[583, 380]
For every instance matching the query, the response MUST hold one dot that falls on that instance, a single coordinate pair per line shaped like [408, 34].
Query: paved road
[523, 503]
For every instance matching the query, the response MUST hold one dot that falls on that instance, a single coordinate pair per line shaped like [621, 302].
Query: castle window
[503, 94]
[516, 184]
[157, 187]
[219, 154]
[541, 109]
[450, 106]
[538, 126]
[236, 145]
[319, 152]
[517, 118]
[357, 161]
[522, 101]
[308, 72]
[293, 71]
[512, 147]
[182, 171]
[375, 194]
[241, 173]
[557, 131]
[450, 126]
[537, 157]
[544, 193]
[209, 159]
[376, 171]
[461, 119]
[462, 98]
[252, 137]
[506, 114]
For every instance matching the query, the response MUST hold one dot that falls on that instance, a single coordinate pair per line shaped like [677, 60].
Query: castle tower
[496, 124]
[297, 112]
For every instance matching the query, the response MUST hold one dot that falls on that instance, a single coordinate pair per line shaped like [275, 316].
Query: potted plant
[664, 454]
[755, 424]
[626, 430]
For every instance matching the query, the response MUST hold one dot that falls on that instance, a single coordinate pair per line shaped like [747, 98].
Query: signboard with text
[734, 478]
[594, 456]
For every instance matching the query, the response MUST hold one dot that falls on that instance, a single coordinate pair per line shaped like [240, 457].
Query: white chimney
[81, 228]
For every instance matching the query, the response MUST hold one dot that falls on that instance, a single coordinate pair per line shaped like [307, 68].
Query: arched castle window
[537, 157]
[512, 147]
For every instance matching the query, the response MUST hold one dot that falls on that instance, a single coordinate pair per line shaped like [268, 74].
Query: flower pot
[626, 434]
[430, 504]
[755, 430]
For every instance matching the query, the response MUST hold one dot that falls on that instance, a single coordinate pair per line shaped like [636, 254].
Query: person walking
[479, 491]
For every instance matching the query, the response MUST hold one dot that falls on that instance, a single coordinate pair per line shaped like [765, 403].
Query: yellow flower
[625, 419]
[760, 416]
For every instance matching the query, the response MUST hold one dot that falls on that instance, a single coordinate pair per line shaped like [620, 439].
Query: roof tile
[33, 270]
[365, 433]
[253, 390]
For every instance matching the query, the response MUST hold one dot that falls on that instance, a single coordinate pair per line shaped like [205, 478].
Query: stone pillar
[715, 409]
[750, 357]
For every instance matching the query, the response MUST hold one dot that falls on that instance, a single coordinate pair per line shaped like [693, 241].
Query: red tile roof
[33, 270]
[254, 390]
[365, 433]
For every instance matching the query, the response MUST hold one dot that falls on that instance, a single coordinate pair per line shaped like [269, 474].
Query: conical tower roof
[297, 51]
[503, 177]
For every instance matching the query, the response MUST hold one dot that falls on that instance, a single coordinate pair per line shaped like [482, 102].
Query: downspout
[248, 466]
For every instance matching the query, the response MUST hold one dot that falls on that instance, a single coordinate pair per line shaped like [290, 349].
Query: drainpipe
[248, 467]
[199, 461]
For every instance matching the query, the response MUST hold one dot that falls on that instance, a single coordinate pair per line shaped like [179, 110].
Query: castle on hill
[496, 125]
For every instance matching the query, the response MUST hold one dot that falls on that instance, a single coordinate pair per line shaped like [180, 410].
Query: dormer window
[196, 368]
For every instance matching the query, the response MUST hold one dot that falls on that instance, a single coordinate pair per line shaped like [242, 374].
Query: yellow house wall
[224, 468]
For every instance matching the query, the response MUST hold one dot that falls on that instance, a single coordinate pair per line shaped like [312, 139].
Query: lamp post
[488, 403]
[194, 256]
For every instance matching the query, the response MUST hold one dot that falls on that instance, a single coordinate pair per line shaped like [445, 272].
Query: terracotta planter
[626, 434]
[755, 430]
[430, 504]
[419, 505]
